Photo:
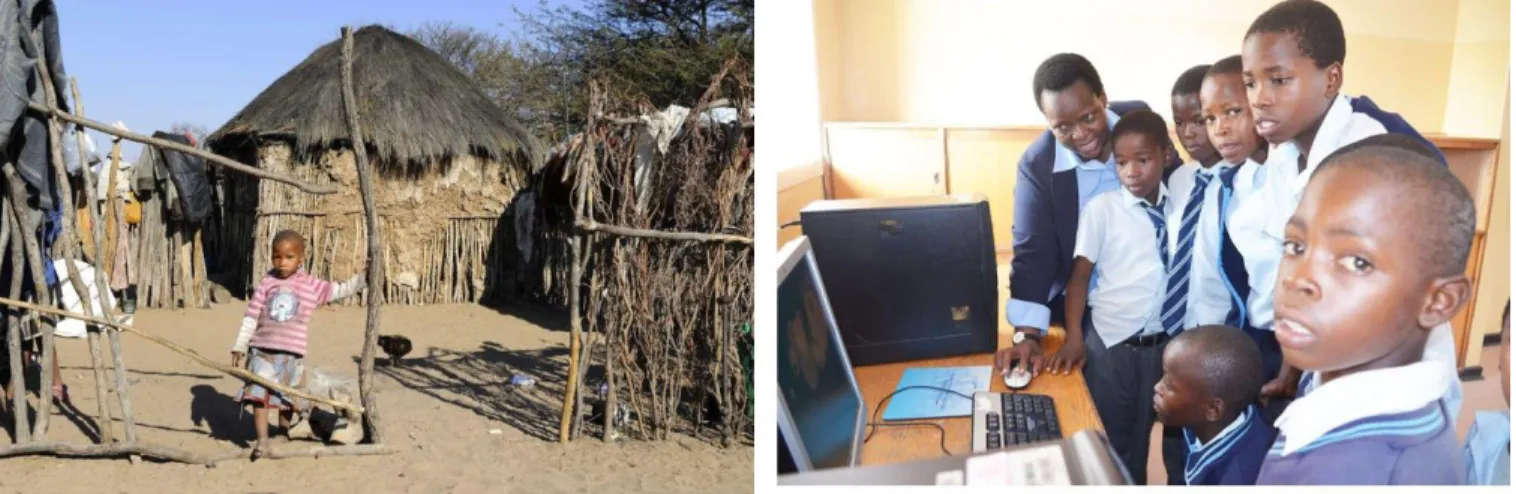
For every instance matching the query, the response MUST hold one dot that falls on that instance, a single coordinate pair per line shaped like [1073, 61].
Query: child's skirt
[281, 367]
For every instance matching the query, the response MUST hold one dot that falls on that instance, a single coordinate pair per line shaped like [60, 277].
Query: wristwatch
[1025, 335]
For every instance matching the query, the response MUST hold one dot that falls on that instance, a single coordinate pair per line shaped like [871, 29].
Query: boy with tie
[1196, 287]
[1123, 240]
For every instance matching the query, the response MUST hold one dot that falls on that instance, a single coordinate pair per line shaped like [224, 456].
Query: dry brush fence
[665, 289]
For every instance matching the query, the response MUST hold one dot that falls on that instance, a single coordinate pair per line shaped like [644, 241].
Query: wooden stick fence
[17, 219]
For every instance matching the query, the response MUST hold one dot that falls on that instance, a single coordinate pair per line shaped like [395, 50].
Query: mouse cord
[876, 424]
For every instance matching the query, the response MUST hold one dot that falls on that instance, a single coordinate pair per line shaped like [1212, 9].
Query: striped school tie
[1179, 271]
[1235, 276]
[1155, 213]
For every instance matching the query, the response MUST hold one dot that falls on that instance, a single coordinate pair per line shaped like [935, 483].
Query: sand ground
[438, 407]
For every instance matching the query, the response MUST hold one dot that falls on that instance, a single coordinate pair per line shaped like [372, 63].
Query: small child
[1373, 261]
[1209, 374]
[273, 334]
[1123, 239]
[1487, 452]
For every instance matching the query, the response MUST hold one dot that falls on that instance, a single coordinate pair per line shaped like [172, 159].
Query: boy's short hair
[1189, 81]
[1060, 71]
[1143, 122]
[1316, 28]
[288, 236]
[1447, 211]
[1230, 65]
[1228, 361]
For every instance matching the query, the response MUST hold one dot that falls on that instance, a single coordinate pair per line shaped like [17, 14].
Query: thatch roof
[415, 107]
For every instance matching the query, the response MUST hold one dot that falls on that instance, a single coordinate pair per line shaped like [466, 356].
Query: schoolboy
[1229, 125]
[1209, 374]
[1195, 284]
[1373, 262]
[1123, 240]
[1292, 58]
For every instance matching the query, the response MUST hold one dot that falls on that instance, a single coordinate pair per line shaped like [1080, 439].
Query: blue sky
[152, 63]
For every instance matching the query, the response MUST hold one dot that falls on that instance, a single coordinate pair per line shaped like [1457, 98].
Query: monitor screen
[819, 396]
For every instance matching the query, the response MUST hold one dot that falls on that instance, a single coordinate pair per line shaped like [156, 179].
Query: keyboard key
[992, 441]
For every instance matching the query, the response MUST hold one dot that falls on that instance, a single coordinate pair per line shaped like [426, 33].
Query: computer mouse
[1017, 378]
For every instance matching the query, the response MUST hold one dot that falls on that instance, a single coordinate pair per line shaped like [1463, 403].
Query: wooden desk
[1076, 410]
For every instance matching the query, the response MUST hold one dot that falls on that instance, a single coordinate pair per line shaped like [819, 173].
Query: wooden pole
[70, 242]
[590, 225]
[566, 419]
[105, 450]
[11, 230]
[111, 232]
[375, 268]
[17, 199]
[171, 145]
[102, 285]
[196, 356]
[311, 452]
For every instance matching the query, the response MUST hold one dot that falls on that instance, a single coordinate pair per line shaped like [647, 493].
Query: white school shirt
[1257, 227]
[1116, 234]
[1360, 395]
[1209, 300]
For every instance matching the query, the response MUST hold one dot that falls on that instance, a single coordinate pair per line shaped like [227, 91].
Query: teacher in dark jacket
[1058, 174]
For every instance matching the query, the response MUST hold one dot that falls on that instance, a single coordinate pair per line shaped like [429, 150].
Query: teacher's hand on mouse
[1027, 355]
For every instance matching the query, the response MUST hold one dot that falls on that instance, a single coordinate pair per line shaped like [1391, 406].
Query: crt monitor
[821, 413]
[909, 278]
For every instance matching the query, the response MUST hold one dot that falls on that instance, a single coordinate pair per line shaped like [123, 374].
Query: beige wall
[971, 62]
[788, 98]
[1481, 64]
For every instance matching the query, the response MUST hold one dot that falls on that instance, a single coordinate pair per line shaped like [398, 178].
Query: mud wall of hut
[439, 223]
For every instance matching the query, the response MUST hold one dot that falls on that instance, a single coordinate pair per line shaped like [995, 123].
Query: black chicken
[395, 346]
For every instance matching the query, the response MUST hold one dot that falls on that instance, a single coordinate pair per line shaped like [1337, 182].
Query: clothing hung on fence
[20, 21]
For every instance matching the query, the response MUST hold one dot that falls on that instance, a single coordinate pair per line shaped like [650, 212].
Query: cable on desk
[875, 423]
[789, 224]
[942, 437]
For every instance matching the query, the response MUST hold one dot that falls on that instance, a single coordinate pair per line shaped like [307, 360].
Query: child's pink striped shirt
[283, 309]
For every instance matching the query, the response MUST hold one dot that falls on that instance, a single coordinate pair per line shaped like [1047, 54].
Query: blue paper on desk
[930, 403]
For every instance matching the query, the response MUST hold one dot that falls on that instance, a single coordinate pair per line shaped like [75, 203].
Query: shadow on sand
[479, 381]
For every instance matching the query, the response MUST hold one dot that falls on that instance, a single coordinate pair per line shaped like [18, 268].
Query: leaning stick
[106, 450]
[71, 241]
[174, 146]
[375, 267]
[102, 285]
[592, 226]
[17, 198]
[234, 371]
[111, 232]
[12, 232]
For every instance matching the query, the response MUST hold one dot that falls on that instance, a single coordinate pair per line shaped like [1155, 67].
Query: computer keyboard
[1003, 420]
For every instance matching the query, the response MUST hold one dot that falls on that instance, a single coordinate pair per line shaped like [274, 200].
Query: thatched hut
[449, 161]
